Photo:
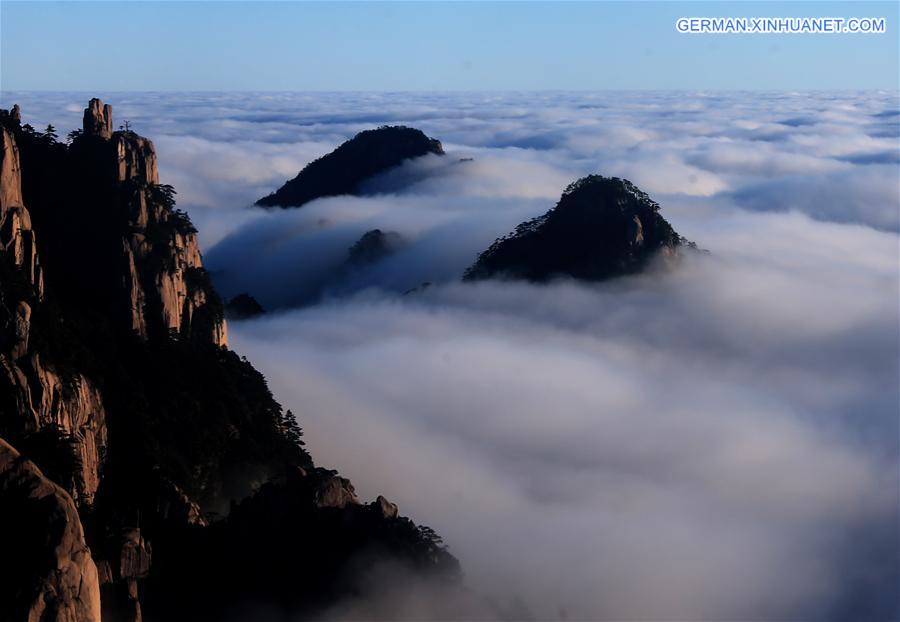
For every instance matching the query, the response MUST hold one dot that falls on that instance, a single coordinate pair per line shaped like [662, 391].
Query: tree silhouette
[164, 194]
[290, 429]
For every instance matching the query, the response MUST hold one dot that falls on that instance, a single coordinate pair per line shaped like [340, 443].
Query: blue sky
[429, 46]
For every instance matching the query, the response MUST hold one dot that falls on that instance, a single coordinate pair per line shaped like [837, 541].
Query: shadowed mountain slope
[343, 170]
[601, 227]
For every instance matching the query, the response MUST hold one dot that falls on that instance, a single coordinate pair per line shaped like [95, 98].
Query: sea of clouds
[714, 440]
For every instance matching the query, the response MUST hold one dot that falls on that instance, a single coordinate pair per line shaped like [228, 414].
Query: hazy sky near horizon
[385, 46]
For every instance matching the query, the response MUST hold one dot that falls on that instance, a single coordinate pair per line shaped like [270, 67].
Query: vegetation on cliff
[601, 227]
[116, 381]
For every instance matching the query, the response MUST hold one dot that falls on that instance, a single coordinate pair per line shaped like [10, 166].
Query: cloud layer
[713, 440]
[708, 443]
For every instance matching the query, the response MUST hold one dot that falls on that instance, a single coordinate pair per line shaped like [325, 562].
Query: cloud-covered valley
[714, 439]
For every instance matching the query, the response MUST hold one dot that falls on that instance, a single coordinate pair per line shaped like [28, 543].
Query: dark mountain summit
[372, 246]
[343, 170]
[242, 307]
[602, 227]
[146, 470]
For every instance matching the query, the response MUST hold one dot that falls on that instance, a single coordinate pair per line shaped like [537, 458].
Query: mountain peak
[98, 119]
[343, 170]
[601, 227]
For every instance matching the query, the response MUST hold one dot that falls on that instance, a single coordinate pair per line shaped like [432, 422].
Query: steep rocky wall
[160, 247]
[186, 421]
[160, 257]
[10, 172]
[17, 238]
[41, 397]
[74, 406]
[162, 275]
[47, 572]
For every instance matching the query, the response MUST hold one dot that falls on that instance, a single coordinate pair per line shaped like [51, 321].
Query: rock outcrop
[132, 565]
[46, 572]
[40, 396]
[335, 492]
[131, 416]
[343, 170]
[136, 159]
[74, 406]
[163, 274]
[10, 172]
[97, 119]
[602, 227]
[385, 507]
[373, 246]
[17, 237]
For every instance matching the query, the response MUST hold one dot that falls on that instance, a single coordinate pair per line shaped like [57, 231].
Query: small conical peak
[602, 227]
[98, 119]
[16, 113]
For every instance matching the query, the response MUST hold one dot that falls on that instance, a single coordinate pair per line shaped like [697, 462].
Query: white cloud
[713, 441]
[690, 444]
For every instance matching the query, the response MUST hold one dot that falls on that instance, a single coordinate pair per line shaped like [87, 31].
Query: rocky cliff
[601, 227]
[16, 233]
[163, 271]
[33, 388]
[343, 170]
[55, 577]
[137, 433]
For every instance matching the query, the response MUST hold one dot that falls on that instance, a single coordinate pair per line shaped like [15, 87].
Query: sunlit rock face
[134, 424]
[165, 288]
[10, 172]
[70, 403]
[98, 119]
[335, 492]
[602, 227]
[17, 237]
[343, 170]
[168, 291]
[35, 389]
[136, 158]
[47, 572]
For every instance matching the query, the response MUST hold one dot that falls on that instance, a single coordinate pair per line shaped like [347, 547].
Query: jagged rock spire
[10, 173]
[98, 119]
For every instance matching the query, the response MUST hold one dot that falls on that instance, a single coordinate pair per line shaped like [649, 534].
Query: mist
[714, 439]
